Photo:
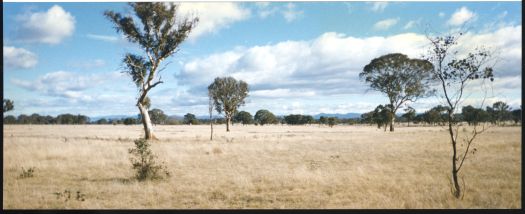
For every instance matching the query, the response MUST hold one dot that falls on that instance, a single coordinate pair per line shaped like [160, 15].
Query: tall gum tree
[402, 79]
[158, 32]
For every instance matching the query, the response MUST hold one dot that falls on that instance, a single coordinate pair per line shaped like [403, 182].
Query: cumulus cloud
[49, 27]
[66, 84]
[19, 58]
[327, 65]
[461, 16]
[213, 16]
[378, 6]
[385, 24]
[290, 13]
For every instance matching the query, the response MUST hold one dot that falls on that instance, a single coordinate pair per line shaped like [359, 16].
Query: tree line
[497, 114]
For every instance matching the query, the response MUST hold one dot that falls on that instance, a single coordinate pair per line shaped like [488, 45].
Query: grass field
[258, 167]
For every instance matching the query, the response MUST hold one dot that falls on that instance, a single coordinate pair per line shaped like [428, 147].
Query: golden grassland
[258, 167]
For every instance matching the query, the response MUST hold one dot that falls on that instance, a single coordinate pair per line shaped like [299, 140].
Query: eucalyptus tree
[8, 105]
[264, 116]
[228, 94]
[158, 31]
[402, 79]
[453, 71]
[410, 114]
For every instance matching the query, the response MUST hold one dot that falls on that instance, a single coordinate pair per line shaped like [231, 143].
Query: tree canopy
[228, 94]
[402, 79]
[159, 34]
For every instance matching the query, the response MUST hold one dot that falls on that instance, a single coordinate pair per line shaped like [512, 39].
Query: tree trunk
[457, 188]
[228, 124]
[392, 123]
[146, 122]
[211, 128]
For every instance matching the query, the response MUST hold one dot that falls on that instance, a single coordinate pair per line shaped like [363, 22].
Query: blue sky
[299, 57]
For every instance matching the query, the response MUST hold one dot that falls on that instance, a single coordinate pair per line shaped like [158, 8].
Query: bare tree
[453, 72]
[161, 34]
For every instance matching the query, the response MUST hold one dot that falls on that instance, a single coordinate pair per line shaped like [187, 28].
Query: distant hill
[111, 117]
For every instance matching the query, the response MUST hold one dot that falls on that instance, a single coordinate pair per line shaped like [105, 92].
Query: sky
[297, 57]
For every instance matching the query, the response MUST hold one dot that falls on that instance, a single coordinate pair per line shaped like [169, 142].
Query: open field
[258, 167]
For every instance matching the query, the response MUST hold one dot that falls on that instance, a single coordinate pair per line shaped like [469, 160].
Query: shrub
[27, 173]
[144, 161]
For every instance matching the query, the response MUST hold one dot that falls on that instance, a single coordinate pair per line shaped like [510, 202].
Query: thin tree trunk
[146, 122]
[228, 124]
[392, 123]
[457, 188]
[211, 128]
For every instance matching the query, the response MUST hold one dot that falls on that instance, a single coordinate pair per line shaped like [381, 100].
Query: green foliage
[157, 116]
[130, 121]
[410, 114]
[8, 105]
[516, 115]
[29, 173]
[190, 119]
[144, 162]
[332, 121]
[243, 117]
[297, 119]
[402, 79]
[382, 115]
[264, 116]
[159, 34]
[228, 94]
[473, 116]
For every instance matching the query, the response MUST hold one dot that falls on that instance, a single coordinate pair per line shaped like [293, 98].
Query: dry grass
[258, 167]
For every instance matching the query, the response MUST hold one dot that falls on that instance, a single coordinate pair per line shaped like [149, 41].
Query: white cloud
[102, 37]
[411, 24]
[385, 24]
[379, 6]
[264, 10]
[213, 16]
[461, 16]
[89, 64]
[326, 66]
[290, 13]
[49, 27]
[67, 84]
[441, 14]
[19, 58]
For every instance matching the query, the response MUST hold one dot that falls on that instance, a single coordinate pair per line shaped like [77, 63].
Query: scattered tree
[190, 119]
[332, 121]
[264, 116]
[161, 34]
[243, 117]
[228, 94]
[452, 72]
[158, 116]
[8, 105]
[516, 115]
[410, 114]
[402, 79]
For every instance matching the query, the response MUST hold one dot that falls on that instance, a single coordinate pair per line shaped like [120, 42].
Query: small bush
[144, 163]
[27, 173]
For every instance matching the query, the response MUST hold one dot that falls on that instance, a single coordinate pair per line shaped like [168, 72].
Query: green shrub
[144, 162]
